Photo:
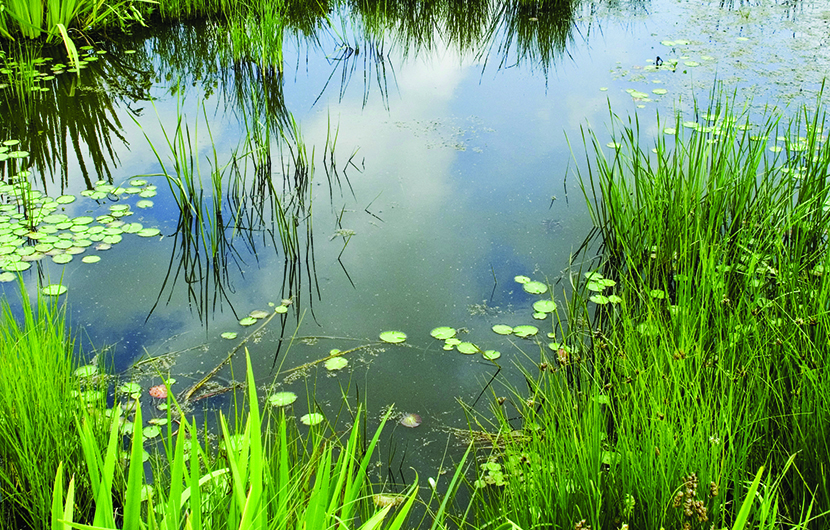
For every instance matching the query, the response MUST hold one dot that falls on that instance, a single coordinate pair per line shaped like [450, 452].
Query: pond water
[457, 134]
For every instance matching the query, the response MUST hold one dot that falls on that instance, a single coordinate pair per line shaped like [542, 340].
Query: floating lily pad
[282, 399]
[149, 232]
[544, 306]
[443, 333]
[138, 182]
[393, 337]
[336, 363]
[535, 287]
[7, 277]
[467, 348]
[452, 342]
[410, 420]
[230, 335]
[258, 313]
[311, 419]
[281, 309]
[151, 431]
[54, 290]
[540, 316]
[62, 259]
[502, 329]
[88, 370]
[660, 91]
[491, 355]
[16, 266]
[525, 331]
[521, 279]
[82, 220]
[158, 391]
[144, 203]
[130, 388]
[247, 321]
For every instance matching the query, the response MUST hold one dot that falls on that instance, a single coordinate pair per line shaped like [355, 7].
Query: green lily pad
[525, 331]
[258, 313]
[452, 342]
[281, 309]
[62, 259]
[151, 431]
[130, 388]
[535, 287]
[65, 199]
[138, 182]
[502, 329]
[54, 290]
[614, 299]
[91, 259]
[149, 232]
[443, 333]
[247, 321]
[491, 355]
[467, 348]
[82, 220]
[521, 279]
[595, 286]
[230, 335]
[336, 363]
[393, 337]
[7, 277]
[88, 370]
[544, 306]
[540, 316]
[311, 419]
[282, 399]
[144, 203]
[660, 91]
[670, 130]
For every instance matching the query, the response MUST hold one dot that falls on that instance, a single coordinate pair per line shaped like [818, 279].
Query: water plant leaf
[87, 370]
[247, 321]
[130, 388]
[258, 313]
[502, 329]
[55, 289]
[544, 306]
[393, 337]
[521, 279]
[158, 391]
[525, 331]
[599, 299]
[62, 259]
[149, 232]
[144, 203]
[535, 287]
[151, 431]
[540, 316]
[282, 399]
[443, 333]
[411, 420]
[336, 363]
[491, 355]
[614, 299]
[230, 335]
[452, 342]
[467, 348]
[312, 418]
[281, 309]
[660, 91]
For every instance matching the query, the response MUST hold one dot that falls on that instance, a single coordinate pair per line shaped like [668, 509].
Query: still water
[444, 148]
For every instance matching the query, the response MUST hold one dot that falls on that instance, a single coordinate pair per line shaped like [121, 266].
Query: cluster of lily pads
[32, 227]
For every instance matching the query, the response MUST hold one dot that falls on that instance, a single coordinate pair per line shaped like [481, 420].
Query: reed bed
[704, 384]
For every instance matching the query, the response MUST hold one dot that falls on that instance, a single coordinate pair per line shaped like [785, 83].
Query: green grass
[710, 367]
[39, 399]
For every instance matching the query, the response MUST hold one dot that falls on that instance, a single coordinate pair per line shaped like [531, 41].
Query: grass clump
[39, 400]
[710, 365]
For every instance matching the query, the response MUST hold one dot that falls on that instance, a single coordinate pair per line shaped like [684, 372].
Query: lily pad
[443, 333]
[393, 337]
[521, 279]
[149, 232]
[525, 331]
[88, 370]
[491, 355]
[62, 259]
[247, 321]
[281, 309]
[535, 287]
[502, 329]
[336, 363]
[144, 203]
[130, 388]
[467, 348]
[311, 419]
[282, 399]
[151, 431]
[54, 290]
[258, 313]
[544, 306]
[91, 259]
[230, 335]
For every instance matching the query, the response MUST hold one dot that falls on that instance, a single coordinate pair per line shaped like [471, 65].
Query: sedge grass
[39, 396]
[710, 367]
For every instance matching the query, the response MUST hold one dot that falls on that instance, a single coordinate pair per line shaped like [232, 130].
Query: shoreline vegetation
[687, 387]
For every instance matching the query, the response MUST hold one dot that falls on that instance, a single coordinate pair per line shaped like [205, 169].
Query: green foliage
[38, 400]
[260, 480]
